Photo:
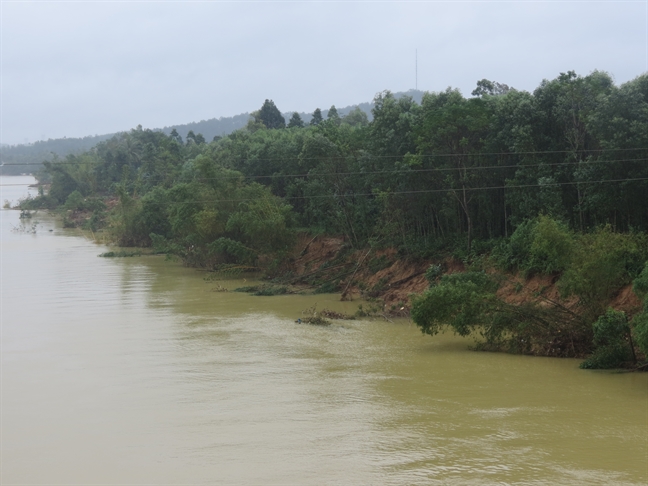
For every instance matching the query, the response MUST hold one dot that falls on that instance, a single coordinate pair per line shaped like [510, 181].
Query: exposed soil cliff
[384, 276]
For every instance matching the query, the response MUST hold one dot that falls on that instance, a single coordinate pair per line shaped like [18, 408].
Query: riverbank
[384, 277]
[546, 304]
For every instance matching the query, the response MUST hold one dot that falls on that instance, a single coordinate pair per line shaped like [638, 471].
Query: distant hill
[27, 158]
[226, 125]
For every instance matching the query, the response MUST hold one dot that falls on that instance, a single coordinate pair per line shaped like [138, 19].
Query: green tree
[612, 341]
[317, 117]
[176, 136]
[356, 118]
[333, 115]
[455, 129]
[295, 121]
[490, 88]
[270, 116]
[392, 127]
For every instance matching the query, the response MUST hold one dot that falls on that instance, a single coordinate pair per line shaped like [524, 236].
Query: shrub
[640, 284]
[467, 303]
[231, 251]
[640, 331]
[551, 247]
[460, 301]
[601, 264]
[433, 272]
[74, 201]
[611, 332]
[640, 321]
[542, 245]
[514, 252]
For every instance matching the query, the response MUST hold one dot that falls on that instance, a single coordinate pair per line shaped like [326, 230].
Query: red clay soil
[393, 284]
[401, 278]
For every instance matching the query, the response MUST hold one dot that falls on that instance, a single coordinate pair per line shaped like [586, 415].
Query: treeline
[450, 174]
[29, 158]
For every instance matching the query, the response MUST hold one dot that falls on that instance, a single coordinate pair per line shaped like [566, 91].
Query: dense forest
[552, 182]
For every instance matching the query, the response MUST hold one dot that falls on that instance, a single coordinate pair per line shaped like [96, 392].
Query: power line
[370, 156]
[422, 191]
[401, 171]
[429, 191]
[396, 171]
[410, 171]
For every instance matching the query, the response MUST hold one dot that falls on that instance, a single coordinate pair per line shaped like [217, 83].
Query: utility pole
[416, 69]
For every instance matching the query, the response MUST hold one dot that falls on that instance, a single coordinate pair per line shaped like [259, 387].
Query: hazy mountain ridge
[24, 158]
[225, 125]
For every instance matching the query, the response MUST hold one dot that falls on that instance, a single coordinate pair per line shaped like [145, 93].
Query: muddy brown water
[136, 371]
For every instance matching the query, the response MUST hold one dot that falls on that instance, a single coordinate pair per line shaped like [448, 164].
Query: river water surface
[137, 371]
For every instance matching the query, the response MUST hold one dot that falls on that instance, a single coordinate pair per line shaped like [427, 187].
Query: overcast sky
[81, 68]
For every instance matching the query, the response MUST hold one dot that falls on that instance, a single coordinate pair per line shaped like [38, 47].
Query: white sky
[81, 68]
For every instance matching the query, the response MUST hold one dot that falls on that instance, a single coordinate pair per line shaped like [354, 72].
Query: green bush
[75, 201]
[95, 221]
[377, 264]
[602, 262]
[127, 226]
[468, 304]
[611, 332]
[542, 245]
[39, 202]
[514, 253]
[640, 321]
[433, 272]
[231, 251]
[640, 331]
[551, 247]
[640, 284]
[461, 301]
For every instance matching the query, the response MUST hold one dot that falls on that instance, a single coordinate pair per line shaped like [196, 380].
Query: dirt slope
[383, 276]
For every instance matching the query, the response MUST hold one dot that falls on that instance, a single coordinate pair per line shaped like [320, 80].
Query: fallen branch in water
[336, 315]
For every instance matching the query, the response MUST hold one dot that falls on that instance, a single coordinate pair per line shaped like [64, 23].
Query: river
[138, 371]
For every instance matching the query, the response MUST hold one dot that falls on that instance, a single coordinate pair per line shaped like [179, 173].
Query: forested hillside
[552, 183]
